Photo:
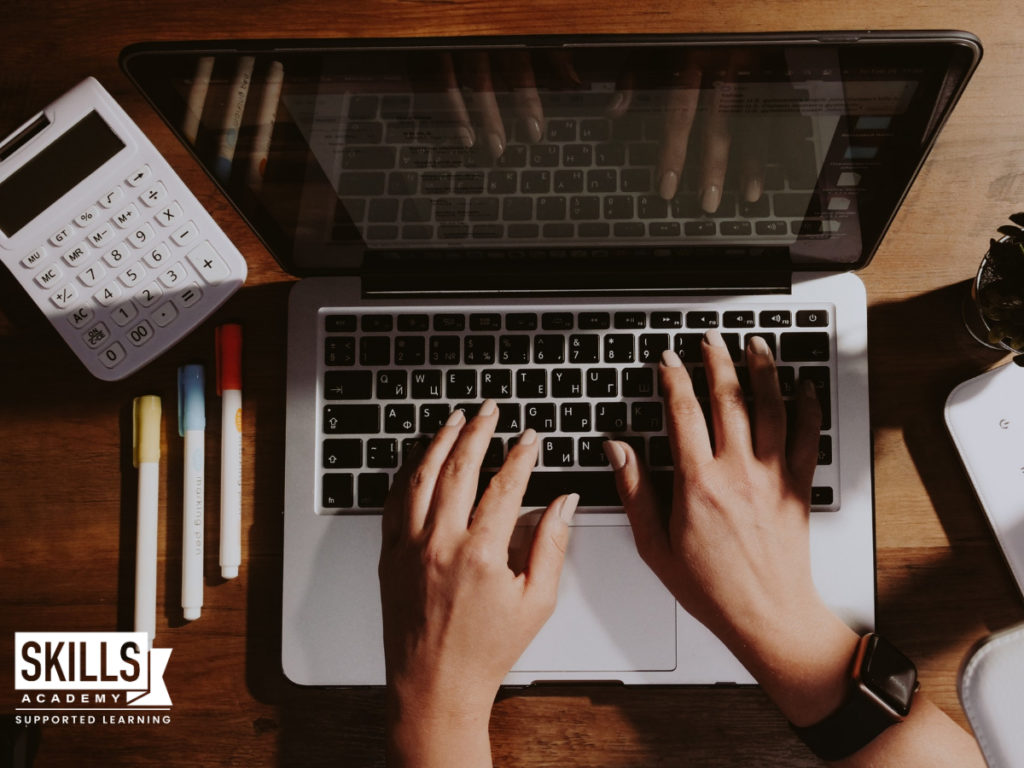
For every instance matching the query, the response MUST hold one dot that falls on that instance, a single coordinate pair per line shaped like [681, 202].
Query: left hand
[456, 617]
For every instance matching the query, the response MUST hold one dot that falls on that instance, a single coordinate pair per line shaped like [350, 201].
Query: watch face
[890, 674]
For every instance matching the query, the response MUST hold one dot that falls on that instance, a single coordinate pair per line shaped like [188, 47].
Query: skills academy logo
[90, 678]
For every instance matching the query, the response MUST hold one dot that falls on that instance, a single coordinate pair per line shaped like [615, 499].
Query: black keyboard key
[342, 454]
[638, 444]
[812, 318]
[636, 179]
[468, 409]
[594, 321]
[348, 385]
[494, 456]
[351, 419]
[337, 490]
[444, 350]
[509, 418]
[773, 227]
[532, 183]
[449, 322]
[732, 343]
[602, 180]
[821, 496]
[702, 319]
[496, 384]
[602, 382]
[824, 449]
[382, 452]
[618, 348]
[392, 385]
[637, 382]
[410, 350]
[373, 490]
[688, 347]
[575, 417]
[544, 155]
[651, 345]
[776, 318]
[585, 208]
[541, 417]
[362, 183]
[426, 385]
[568, 182]
[521, 321]
[514, 350]
[787, 380]
[590, 452]
[339, 350]
[550, 208]
[646, 417]
[666, 319]
[399, 419]
[502, 182]
[736, 228]
[548, 349]
[660, 452]
[567, 382]
[556, 321]
[557, 452]
[630, 320]
[654, 207]
[610, 417]
[531, 383]
[460, 383]
[584, 348]
[413, 323]
[374, 351]
[619, 207]
[340, 323]
[558, 230]
[699, 228]
[804, 347]
[489, 321]
[367, 158]
[628, 229]
[740, 319]
[433, 416]
[820, 376]
[478, 350]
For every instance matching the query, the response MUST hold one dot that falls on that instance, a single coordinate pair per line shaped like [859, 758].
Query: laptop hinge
[577, 272]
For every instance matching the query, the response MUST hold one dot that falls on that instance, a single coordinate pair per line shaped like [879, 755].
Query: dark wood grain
[67, 493]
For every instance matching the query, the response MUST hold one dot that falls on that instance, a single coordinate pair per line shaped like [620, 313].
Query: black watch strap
[856, 723]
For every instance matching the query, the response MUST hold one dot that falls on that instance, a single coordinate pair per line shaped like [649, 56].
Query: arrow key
[342, 454]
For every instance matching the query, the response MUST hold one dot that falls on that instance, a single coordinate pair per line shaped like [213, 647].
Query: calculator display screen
[55, 171]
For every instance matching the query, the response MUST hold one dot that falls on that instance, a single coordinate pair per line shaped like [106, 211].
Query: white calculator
[104, 235]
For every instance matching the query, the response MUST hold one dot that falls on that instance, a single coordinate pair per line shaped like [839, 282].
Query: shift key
[351, 419]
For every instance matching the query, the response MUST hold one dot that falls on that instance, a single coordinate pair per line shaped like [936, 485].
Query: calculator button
[191, 295]
[149, 295]
[141, 333]
[64, 296]
[141, 236]
[112, 355]
[61, 237]
[170, 215]
[101, 235]
[209, 264]
[154, 195]
[50, 277]
[126, 312]
[139, 176]
[75, 255]
[80, 317]
[108, 295]
[157, 257]
[165, 314]
[185, 234]
[173, 276]
[96, 335]
[112, 197]
[34, 259]
[126, 217]
[116, 256]
[92, 274]
[88, 217]
[132, 275]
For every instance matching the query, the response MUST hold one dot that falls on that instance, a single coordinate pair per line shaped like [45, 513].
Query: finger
[640, 504]
[423, 478]
[769, 411]
[394, 516]
[681, 108]
[716, 142]
[547, 552]
[455, 103]
[751, 138]
[803, 444]
[459, 476]
[486, 104]
[729, 417]
[623, 96]
[498, 510]
[687, 429]
[519, 72]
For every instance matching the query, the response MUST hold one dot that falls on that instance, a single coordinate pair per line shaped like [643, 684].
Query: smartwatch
[882, 686]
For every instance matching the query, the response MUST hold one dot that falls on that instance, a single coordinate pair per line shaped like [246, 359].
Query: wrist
[425, 730]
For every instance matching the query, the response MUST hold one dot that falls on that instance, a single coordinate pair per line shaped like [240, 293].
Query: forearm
[415, 740]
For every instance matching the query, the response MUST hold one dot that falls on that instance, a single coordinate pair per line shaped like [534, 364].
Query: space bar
[596, 488]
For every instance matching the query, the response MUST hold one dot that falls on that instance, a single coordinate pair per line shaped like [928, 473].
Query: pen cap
[229, 357]
[191, 408]
[145, 429]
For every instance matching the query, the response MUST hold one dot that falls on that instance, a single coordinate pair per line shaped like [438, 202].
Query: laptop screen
[342, 154]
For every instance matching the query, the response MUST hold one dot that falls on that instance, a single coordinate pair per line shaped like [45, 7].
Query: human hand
[456, 617]
[736, 550]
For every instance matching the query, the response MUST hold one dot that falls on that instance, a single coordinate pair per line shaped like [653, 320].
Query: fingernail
[759, 346]
[533, 129]
[669, 185]
[457, 418]
[753, 191]
[495, 144]
[488, 407]
[711, 198]
[617, 102]
[616, 456]
[466, 136]
[529, 437]
[670, 359]
[714, 339]
[568, 508]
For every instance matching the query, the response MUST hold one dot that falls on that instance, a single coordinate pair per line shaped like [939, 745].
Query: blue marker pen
[191, 426]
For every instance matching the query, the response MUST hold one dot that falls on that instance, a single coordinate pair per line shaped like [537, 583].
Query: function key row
[566, 321]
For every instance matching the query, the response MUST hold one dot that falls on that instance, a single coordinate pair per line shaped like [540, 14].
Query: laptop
[490, 217]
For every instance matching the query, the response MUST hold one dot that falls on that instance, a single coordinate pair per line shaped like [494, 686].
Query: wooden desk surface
[67, 492]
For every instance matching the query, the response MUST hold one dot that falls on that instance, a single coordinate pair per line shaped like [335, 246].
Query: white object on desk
[985, 416]
[192, 427]
[146, 457]
[105, 237]
[991, 688]
[229, 385]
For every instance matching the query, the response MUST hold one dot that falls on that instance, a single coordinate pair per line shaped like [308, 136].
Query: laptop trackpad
[613, 613]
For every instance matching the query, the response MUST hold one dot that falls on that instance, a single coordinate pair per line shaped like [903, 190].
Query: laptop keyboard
[576, 376]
